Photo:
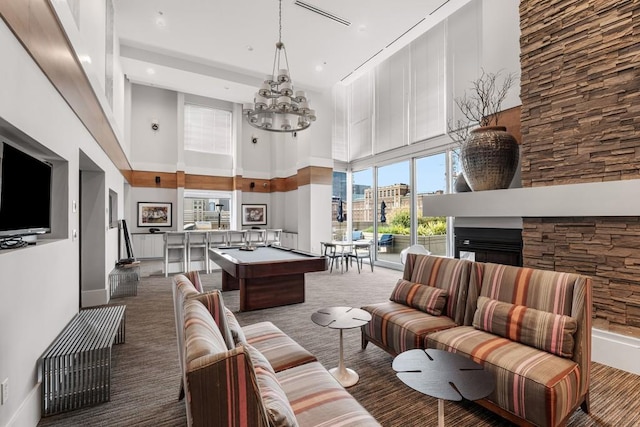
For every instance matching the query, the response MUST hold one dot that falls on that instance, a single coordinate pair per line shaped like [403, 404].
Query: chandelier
[276, 107]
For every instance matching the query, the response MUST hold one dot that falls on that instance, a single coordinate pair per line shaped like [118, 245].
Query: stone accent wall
[580, 96]
[580, 64]
[605, 248]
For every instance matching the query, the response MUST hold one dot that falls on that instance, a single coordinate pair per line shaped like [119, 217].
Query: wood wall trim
[315, 175]
[35, 24]
[148, 179]
[305, 176]
[206, 182]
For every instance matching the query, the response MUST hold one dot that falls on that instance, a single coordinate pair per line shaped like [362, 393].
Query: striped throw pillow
[425, 298]
[540, 329]
[273, 397]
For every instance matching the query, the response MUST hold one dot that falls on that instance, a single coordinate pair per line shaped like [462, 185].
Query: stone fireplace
[580, 124]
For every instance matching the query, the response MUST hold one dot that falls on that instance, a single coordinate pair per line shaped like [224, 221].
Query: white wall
[40, 284]
[154, 150]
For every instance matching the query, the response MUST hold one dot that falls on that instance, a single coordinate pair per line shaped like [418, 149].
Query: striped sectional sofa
[254, 375]
[530, 327]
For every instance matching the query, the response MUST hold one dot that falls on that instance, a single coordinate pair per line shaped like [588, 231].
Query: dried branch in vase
[482, 106]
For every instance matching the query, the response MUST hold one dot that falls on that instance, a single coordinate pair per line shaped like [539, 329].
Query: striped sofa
[530, 327]
[430, 297]
[253, 375]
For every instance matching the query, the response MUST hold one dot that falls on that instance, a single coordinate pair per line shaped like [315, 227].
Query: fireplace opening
[497, 245]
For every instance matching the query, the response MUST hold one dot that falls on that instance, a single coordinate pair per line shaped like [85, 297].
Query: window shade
[207, 129]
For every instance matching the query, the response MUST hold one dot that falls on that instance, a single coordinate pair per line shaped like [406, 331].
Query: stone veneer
[605, 248]
[581, 123]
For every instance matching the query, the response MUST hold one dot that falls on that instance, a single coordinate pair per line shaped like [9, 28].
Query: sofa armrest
[218, 379]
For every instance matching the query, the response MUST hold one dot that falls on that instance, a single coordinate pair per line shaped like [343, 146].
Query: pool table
[268, 276]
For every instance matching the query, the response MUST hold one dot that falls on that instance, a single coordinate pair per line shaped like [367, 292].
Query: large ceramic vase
[489, 158]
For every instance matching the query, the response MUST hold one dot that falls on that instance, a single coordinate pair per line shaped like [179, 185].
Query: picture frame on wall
[154, 214]
[254, 214]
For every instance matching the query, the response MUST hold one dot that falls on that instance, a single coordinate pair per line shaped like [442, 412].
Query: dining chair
[413, 249]
[332, 254]
[360, 252]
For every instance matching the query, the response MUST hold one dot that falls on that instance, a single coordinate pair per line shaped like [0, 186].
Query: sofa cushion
[550, 291]
[194, 278]
[274, 399]
[318, 399]
[540, 329]
[215, 304]
[534, 384]
[234, 327]
[449, 274]
[425, 298]
[398, 327]
[202, 336]
[281, 351]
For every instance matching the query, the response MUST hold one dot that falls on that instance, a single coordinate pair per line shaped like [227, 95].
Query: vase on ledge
[460, 185]
[489, 158]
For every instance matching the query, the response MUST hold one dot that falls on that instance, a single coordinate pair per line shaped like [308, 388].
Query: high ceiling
[225, 48]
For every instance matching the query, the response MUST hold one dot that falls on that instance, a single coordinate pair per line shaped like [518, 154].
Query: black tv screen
[25, 193]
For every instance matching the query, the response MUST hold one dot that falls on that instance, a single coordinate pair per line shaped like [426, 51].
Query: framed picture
[154, 214]
[254, 214]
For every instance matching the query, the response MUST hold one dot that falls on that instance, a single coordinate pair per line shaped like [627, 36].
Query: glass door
[392, 203]
[431, 179]
[361, 208]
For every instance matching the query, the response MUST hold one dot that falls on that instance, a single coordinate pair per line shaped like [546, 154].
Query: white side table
[342, 318]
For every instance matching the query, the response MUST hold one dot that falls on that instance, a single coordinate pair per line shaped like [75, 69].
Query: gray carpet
[145, 372]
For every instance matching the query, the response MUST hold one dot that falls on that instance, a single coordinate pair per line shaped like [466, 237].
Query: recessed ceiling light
[319, 68]
[250, 48]
[151, 71]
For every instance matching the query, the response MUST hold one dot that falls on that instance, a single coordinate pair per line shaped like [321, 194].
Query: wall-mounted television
[25, 193]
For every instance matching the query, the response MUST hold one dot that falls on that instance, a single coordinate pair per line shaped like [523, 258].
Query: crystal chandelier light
[276, 107]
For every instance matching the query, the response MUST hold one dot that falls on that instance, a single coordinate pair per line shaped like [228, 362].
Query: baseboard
[615, 350]
[94, 298]
[28, 414]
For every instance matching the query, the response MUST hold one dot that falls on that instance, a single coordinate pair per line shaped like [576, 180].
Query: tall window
[393, 210]
[431, 179]
[207, 129]
[338, 205]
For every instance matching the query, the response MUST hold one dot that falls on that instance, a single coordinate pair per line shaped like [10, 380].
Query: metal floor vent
[324, 13]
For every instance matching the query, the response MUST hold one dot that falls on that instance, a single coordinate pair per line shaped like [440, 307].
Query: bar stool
[216, 239]
[255, 237]
[236, 237]
[273, 236]
[175, 241]
[197, 249]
